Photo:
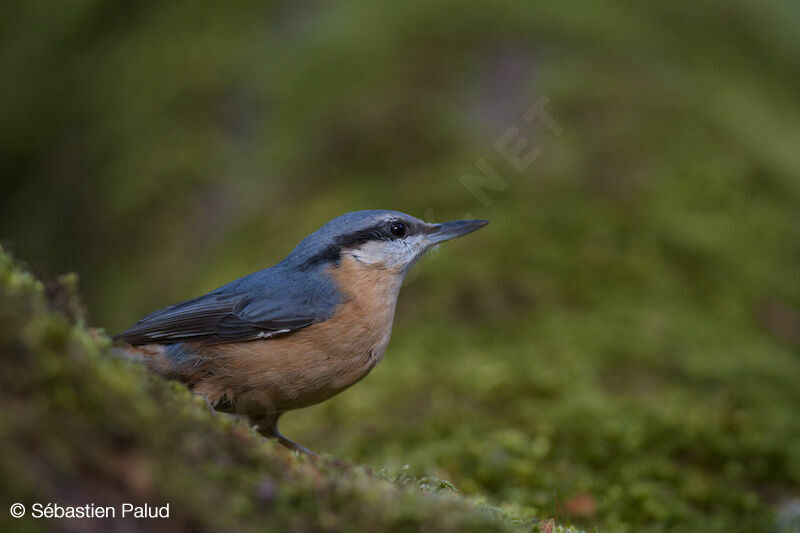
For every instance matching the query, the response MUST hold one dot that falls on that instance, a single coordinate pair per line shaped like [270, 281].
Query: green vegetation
[80, 426]
[619, 347]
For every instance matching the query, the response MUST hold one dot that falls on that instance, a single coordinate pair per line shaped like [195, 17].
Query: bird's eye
[398, 229]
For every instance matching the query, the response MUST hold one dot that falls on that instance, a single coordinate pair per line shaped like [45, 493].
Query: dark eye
[398, 229]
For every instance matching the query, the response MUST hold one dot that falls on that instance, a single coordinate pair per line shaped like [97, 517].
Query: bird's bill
[450, 230]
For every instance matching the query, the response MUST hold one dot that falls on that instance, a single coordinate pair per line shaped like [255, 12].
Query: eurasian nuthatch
[299, 332]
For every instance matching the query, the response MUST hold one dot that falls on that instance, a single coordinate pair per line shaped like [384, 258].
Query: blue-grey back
[295, 293]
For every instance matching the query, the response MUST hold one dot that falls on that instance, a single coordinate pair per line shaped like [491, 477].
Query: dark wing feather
[235, 313]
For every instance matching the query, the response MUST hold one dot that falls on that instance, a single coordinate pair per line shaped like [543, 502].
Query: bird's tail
[153, 356]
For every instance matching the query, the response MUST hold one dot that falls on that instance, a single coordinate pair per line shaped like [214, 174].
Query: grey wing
[232, 316]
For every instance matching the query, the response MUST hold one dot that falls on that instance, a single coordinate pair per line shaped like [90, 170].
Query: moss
[80, 426]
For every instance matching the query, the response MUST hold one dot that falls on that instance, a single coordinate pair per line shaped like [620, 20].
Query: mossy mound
[82, 427]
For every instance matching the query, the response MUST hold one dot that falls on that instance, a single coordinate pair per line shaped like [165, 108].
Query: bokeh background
[621, 345]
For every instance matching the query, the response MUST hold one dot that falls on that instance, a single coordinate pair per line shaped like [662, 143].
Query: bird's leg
[292, 445]
[269, 428]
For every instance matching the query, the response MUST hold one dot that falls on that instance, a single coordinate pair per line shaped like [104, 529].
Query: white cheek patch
[399, 253]
[417, 245]
[369, 253]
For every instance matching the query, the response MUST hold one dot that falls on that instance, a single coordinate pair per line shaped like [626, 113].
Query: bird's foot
[292, 445]
[270, 430]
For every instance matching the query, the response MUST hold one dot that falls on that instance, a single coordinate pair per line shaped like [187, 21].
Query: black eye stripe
[380, 232]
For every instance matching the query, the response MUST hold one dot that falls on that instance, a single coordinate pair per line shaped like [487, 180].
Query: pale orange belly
[278, 375]
[302, 368]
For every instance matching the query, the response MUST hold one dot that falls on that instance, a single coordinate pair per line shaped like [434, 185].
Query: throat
[370, 294]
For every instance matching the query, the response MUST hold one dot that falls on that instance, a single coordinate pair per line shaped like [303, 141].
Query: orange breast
[311, 364]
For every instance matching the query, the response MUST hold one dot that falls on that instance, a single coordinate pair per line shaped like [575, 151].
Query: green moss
[81, 426]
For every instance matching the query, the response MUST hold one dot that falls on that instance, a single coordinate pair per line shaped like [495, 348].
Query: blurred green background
[621, 345]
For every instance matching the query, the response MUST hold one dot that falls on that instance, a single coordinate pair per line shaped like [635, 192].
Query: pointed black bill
[450, 230]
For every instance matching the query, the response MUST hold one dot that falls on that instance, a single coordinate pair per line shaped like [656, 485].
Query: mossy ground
[81, 426]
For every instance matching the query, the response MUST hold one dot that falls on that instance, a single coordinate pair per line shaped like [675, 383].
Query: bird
[299, 332]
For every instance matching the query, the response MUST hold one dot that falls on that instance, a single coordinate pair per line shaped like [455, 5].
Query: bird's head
[388, 240]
